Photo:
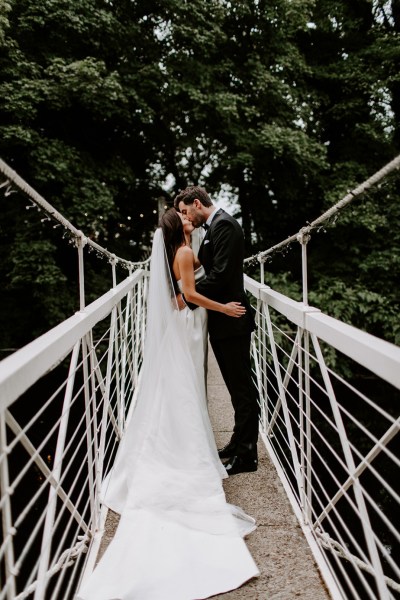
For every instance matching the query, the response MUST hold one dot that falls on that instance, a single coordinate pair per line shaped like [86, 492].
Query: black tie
[206, 226]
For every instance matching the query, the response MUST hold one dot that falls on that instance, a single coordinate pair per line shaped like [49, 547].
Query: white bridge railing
[335, 447]
[64, 401]
[66, 397]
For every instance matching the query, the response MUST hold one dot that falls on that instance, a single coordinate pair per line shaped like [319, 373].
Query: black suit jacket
[222, 254]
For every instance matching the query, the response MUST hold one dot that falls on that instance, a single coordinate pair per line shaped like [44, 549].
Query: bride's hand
[179, 301]
[234, 309]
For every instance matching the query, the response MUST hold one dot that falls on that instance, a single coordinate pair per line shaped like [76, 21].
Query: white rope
[303, 234]
[66, 560]
[13, 179]
[328, 542]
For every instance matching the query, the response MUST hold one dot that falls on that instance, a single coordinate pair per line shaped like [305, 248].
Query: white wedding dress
[178, 538]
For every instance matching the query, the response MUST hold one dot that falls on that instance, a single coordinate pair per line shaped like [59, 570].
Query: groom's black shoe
[227, 451]
[241, 464]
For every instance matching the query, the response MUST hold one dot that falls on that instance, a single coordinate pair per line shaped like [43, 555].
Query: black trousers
[233, 358]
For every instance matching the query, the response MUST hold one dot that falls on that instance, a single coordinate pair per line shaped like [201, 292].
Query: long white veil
[169, 437]
[161, 303]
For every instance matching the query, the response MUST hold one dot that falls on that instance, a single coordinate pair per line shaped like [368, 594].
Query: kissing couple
[178, 538]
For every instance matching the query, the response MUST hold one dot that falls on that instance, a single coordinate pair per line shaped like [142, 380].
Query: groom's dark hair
[190, 194]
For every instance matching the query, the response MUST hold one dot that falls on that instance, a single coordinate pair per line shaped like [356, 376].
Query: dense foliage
[109, 106]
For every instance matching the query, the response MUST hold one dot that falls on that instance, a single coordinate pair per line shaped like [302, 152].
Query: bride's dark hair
[174, 237]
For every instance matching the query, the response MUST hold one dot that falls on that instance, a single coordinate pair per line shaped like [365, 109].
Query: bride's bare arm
[184, 258]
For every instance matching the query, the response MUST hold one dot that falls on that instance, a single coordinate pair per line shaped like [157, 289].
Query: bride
[178, 538]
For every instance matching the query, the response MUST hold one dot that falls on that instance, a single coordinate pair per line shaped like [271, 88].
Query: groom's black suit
[222, 254]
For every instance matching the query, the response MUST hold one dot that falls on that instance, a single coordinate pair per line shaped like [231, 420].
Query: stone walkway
[286, 565]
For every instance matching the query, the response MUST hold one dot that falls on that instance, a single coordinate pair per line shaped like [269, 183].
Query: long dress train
[178, 538]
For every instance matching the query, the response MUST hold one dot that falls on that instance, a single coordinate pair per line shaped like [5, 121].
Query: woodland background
[106, 106]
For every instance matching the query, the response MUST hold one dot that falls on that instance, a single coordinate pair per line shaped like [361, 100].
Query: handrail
[57, 445]
[331, 443]
[25, 366]
[379, 356]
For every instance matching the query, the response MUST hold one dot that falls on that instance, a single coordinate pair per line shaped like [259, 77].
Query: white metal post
[134, 335]
[143, 290]
[106, 401]
[264, 367]
[117, 364]
[93, 401]
[261, 360]
[8, 530]
[80, 243]
[307, 390]
[282, 397]
[114, 272]
[304, 238]
[302, 441]
[89, 432]
[123, 353]
[125, 361]
[53, 493]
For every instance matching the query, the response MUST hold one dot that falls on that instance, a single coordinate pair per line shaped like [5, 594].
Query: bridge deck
[287, 568]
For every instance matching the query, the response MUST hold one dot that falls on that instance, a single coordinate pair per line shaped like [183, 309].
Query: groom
[222, 254]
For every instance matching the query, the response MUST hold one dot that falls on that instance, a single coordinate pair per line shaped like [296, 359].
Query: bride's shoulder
[184, 252]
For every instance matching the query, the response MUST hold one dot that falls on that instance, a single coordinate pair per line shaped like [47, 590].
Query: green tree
[75, 78]
[351, 50]
[106, 107]
[270, 159]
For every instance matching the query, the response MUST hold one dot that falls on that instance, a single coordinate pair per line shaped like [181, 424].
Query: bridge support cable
[13, 182]
[303, 235]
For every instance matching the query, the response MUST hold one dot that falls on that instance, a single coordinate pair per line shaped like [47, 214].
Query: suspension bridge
[329, 466]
